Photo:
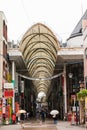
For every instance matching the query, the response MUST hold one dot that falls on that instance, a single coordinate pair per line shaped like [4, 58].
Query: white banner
[8, 85]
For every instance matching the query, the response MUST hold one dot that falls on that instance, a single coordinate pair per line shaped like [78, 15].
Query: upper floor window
[4, 30]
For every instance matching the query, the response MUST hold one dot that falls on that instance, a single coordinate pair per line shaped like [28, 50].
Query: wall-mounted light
[70, 75]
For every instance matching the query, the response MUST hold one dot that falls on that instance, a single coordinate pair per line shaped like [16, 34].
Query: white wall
[75, 41]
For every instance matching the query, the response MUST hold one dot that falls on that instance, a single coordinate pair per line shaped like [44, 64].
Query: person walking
[22, 117]
[43, 115]
[55, 119]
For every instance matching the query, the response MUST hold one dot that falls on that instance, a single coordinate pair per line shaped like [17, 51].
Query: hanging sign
[8, 85]
[8, 93]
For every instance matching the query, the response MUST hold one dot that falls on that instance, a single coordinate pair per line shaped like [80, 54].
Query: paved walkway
[48, 125]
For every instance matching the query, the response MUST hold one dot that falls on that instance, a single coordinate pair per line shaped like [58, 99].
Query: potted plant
[82, 94]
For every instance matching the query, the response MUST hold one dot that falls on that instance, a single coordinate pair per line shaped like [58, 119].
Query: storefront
[7, 101]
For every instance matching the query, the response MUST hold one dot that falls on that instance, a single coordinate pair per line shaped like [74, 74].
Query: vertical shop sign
[31, 98]
[86, 103]
[22, 86]
[16, 83]
[0, 107]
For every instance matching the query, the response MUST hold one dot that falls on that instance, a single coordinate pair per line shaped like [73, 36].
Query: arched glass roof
[39, 47]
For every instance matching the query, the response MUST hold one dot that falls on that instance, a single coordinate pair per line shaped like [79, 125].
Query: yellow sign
[86, 103]
[9, 77]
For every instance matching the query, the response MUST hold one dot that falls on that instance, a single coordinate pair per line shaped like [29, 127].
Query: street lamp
[70, 75]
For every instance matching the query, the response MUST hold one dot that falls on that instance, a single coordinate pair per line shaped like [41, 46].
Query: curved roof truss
[39, 47]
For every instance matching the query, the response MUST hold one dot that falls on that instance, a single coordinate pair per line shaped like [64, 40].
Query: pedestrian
[17, 117]
[22, 117]
[55, 119]
[43, 115]
[28, 115]
[13, 118]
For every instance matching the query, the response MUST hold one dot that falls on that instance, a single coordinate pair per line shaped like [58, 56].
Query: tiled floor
[40, 126]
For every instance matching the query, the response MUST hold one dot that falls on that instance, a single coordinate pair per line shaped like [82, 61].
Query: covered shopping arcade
[44, 66]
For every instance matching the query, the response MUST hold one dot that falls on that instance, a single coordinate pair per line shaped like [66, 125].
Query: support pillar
[65, 92]
[13, 81]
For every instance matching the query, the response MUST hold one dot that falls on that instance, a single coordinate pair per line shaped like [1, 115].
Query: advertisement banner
[8, 93]
[8, 85]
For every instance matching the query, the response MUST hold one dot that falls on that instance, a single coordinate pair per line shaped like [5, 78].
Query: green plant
[82, 94]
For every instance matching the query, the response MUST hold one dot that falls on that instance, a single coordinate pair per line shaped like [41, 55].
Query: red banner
[8, 93]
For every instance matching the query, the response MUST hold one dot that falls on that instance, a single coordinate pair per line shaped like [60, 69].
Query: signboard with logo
[8, 93]
[8, 85]
[22, 86]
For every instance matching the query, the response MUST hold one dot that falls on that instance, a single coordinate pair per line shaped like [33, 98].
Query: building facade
[6, 91]
[3, 50]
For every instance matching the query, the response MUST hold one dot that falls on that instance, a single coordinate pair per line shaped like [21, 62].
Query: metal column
[13, 81]
[65, 91]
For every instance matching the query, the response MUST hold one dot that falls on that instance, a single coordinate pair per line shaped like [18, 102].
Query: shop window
[4, 49]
